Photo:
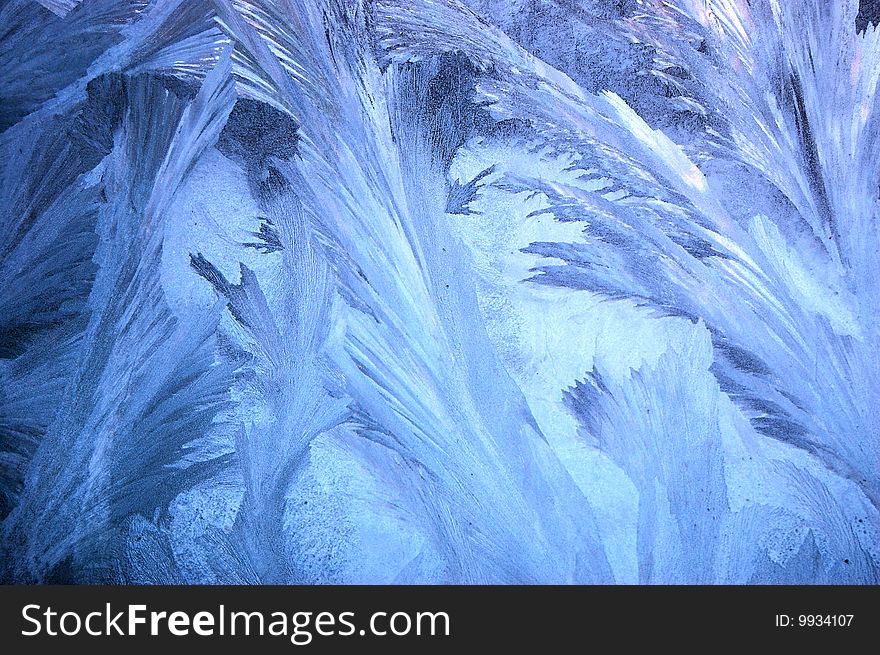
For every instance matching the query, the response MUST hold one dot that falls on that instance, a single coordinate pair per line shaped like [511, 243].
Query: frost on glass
[439, 291]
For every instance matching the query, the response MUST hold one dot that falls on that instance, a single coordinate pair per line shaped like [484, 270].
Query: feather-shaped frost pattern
[146, 388]
[444, 291]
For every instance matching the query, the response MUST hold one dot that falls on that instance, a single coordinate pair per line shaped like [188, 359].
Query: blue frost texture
[440, 291]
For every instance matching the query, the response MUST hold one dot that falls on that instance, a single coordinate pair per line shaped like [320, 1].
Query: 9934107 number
[825, 620]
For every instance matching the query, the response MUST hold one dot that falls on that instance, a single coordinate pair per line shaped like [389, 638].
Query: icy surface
[440, 291]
